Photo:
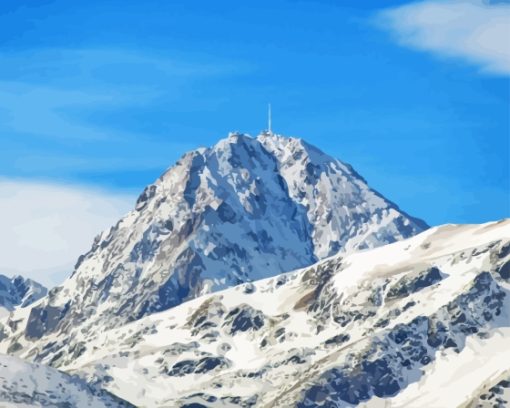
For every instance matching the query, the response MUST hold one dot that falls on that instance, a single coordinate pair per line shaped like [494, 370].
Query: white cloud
[474, 30]
[45, 227]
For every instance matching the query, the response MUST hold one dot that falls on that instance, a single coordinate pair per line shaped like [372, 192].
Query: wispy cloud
[111, 66]
[39, 88]
[474, 30]
[46, 226]
[39, 110]
[70, 112]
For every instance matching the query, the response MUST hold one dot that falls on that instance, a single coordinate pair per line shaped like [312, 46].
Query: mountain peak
[19, 292]
[242, 210]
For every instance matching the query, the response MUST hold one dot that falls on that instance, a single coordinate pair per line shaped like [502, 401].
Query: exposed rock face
[244, 209]
[495, 394]
[386, 327]
[385, 365]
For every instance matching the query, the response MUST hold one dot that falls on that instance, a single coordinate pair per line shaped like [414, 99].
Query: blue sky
[102, 96]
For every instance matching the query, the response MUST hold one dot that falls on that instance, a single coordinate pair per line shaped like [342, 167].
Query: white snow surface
[424, 322]
[24, 385]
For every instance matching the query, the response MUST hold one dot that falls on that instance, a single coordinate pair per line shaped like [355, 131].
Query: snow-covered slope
[18, 292]
[493, 393]
[33, 385]
[242, 210]
[424, 322]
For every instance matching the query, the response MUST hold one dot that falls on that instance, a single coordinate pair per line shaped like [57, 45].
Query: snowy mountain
[424, 322]
[242, 210]
[33, 385]
[18, 292]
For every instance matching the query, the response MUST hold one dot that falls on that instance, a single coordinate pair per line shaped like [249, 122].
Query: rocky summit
[242, 210]
[261, 272]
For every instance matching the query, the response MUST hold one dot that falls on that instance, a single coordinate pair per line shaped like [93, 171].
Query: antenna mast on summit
[269, 119]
